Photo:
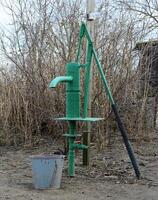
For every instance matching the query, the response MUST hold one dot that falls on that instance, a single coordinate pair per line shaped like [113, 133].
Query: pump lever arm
[83, 33]
[91, 52]
[118, 119]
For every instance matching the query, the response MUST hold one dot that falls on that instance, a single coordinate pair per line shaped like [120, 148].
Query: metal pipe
[118, 119]
[71, 155]
[126, 141]
[59, 79]
[107, 89]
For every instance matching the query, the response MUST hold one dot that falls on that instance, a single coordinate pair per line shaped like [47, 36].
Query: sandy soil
[110, 175]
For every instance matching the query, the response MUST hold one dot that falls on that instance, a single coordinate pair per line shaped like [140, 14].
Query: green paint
[87, 78]
[79, 146]
[73, 90]
[72, 80]
[71, 156]
[107, 89]
[91, 52]
[59, 79]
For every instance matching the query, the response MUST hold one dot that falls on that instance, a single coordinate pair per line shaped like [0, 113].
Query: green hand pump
[73, 115]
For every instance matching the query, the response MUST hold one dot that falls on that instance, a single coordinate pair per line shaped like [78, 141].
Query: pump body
[73, 114]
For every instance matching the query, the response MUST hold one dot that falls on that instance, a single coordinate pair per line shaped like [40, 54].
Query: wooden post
[86, 134]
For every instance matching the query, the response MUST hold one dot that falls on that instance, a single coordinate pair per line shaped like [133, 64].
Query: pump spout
[59, 79]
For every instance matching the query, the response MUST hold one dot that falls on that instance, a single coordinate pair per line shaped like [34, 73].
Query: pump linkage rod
[91, 52]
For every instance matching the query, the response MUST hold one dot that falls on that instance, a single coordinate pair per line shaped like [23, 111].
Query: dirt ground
[110, 175]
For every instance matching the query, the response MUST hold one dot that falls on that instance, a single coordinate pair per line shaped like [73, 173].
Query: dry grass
[39, 48]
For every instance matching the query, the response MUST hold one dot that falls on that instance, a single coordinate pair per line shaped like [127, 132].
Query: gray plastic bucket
[47, 171]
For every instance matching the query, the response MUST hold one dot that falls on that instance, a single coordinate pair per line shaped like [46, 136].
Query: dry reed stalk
[38, 51]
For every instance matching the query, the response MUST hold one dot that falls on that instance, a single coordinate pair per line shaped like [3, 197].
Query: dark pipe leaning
[126, 141]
